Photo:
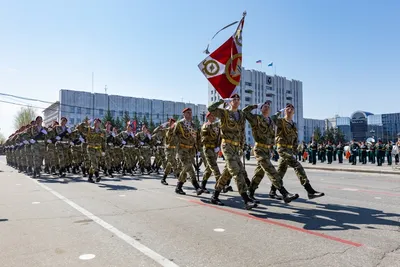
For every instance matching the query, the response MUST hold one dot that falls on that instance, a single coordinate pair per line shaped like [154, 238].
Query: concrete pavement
[136, 221]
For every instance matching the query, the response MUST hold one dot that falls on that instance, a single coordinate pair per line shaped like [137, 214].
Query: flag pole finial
[244, 13]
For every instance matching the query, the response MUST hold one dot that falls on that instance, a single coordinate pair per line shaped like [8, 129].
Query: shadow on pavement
[3, 220]
[116, 187]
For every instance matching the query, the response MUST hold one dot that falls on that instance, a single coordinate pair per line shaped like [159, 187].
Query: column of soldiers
[176, 146]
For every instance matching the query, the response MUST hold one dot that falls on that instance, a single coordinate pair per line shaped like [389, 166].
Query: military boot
[178, 189]
[90, 179]
[273, 194]
[142, 170]
[53, 170]
[73, 170]
[251, 193]
[34, 173]
[83, 171]
[98, 179]
[214, 198]
[110, 173]
[203, 187]
[311, 192]
[46, 169]
[248, 203]
[196, 186]
[163, 180]
[149, 171]
[288, 197]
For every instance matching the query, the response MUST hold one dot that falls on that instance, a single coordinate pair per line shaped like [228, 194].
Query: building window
[247, 83]
[72, 109]
[212, 99]
[112, 113]
[121, 113]
[79, 110]
[147, 115]
[87, 111]
[101, 112]
[158, 115]
[247, 98]
[72, 121]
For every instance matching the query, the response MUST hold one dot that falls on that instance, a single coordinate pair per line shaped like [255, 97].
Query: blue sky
[345, 52]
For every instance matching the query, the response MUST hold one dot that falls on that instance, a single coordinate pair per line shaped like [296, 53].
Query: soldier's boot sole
[216, 201]
[180, 192]
[316, 195]
[249, 205]
[290, 197]
[164, 182]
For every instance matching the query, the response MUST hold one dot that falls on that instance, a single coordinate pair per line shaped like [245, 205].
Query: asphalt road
[136, 221]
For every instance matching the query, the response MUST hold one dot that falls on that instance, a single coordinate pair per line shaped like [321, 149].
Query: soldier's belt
[284, 146]
[210, 146]
[263, 145]
[110, 144]
[227, 141]
[171, 147]
[129, 146]
[40, 141]
[185, 146]
[145, 147]
[161, 147]
[95, 147]
[63, 142]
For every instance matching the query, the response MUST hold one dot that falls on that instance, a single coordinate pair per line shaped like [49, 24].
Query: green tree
[317, 134]
[152, 126]
[126, 117]
[196, 122]
[108, 117]
[135, 118]
[329, 135]
[119, 124]
[24, 116]
[339, 135]
[176, 117]
[145, 122]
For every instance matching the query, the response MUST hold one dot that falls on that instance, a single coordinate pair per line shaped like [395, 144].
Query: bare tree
[2, 138]
[24, 116]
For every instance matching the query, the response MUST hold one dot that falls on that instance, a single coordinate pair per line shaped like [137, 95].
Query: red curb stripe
[288, 226]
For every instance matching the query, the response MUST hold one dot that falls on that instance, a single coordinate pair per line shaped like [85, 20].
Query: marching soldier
[38, 146]
[314, 151]
[171, 143]
[334, 151]
[286, 140]
[233, 141]
[158, 138]
[389, 148]
[62, 146]
[189, 142]
[118, 155]
[96, 146]
[380, 153]
[109, 149]
[329, 149]
[129, 142]
[83, 129]
[354, 152]
[28, 147]
[51, 148]
[264, 134]
[144, 138]
[210, 141]
[372, 152]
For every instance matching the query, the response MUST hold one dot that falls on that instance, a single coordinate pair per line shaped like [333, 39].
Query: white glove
[216, 150]
[260, 105]
[198, 154]
[141, 143]
[26, 142]
[71, 143]
[81, 139]
[158, 142]
[227, 100]
[32, 141]
[282, 110]
[49, 141]
[58, 138]
[164, 124]
[123, 142]
[113, 134]
[44, 131]
[149, 136]
[131, 134]
[103, 154]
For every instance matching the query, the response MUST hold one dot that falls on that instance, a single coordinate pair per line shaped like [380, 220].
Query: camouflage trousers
[211, 164]
[170, 154]
[287, 158]
[130, 155]
[109, 157]
[95, 157]
[51, 155]
[264, 165]
[63, 151]
[77, 157]
[234, 167]
[28, 155]
[118, 156]
[38, 151]
[160, 158]
[186, 159]
[145, 157]
[85, 156]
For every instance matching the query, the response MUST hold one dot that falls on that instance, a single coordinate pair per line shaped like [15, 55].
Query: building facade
[257, 87]
[51, 113]
[77, 105]
[309, 127]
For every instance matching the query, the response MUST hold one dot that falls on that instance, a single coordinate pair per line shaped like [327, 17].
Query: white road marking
[35, 202]
[350, 189]
[121, 195]
[87, 257]
[378, 198]
[220, 230]
[129, 240]
[18, 184]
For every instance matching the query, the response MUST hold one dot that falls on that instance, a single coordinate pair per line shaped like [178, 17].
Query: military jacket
[110, 137]
[379, 147]
[232, 123]
[329, 148]
[129, 138]
[286, 134]
[262, 128]
[144, 138]
[38, 133]
[187, 133]
[353, 148]
[210, 134]
[63, 132]
[96, 138]
[170, 138]
[364, 147]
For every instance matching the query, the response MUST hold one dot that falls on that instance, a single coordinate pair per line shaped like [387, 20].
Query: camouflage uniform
[38, 146]
[129, 142]
[189, 139]
[62, 148]
[51, 154]
[172, 143]
[158, 138]
[96, 146]
[210, 141]
[145, 151]
[110, 155]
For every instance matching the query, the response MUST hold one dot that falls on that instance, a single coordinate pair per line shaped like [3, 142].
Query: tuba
[370, 141]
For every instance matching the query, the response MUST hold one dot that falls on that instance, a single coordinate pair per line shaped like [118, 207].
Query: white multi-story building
[77, 105]
[257, 87]
[309, 127]
[51, 113]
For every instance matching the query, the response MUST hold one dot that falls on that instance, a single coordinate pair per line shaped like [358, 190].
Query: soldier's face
[235, 103]
[39, 122]
[63, 122]
[188, 115]
[108, 127]
[211, 118]
[265, 110]
[97, 124]
[290, 111]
